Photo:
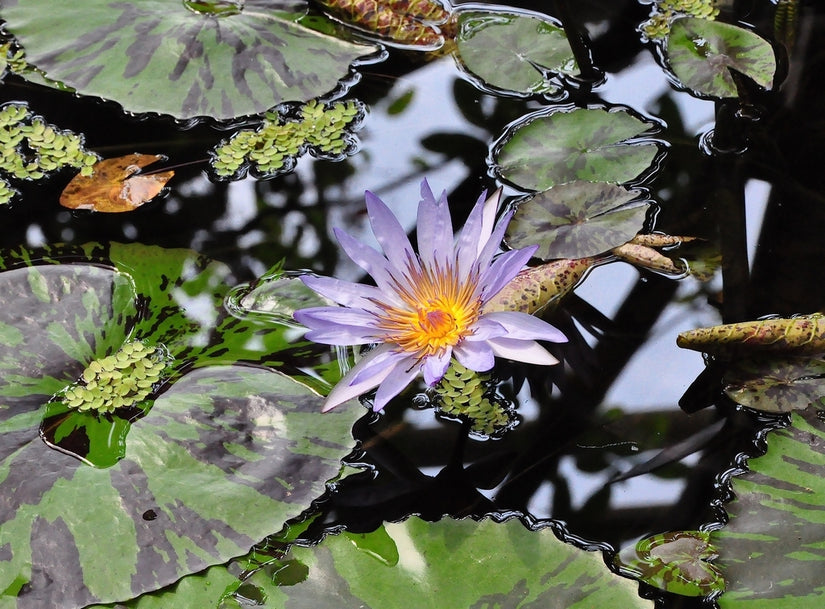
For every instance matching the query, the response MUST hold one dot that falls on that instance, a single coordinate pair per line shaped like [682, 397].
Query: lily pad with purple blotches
[218, 450]
[216, 58]
[776, 384]
[701, 53]
[578, 219]
[592, 144]
[771, 550]
[450, 564]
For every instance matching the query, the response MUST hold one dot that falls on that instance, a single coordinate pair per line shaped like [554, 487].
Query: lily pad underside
[162, 56]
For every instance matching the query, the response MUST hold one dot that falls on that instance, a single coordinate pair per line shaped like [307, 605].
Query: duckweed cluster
[658, 25]
[468, 395]
[117, 381]
[30, 148]
[325, 130]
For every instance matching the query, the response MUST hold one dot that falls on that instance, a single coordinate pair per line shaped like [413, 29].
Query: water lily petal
[344, 293]
[323, 317]
[436, 365]
[505, 267]
[527, 351]
[485, 328]
[524, 326]
[489, 248]
[399, 377]
[435, 227]
[369, 259]
[467, 244]
[389, 233]
[346, 389]
[476, 356]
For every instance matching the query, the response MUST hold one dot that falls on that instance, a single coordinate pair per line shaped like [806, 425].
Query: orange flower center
[440, 312]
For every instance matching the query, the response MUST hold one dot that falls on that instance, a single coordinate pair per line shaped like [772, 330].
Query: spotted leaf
[185, 59]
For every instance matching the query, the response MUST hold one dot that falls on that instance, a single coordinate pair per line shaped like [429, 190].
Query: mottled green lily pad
[513, 52]
[702, 54]
[771, 551]
[776, 385]
[591, 144]
[676, 562]
[448, 564]
[577, 219]
[213, 459]
[182, 59]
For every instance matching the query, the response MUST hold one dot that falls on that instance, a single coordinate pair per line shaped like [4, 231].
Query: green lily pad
[776, 385]
[213, 459]
[577, 219]
[702, 53]
[182, 58]
[591, 144]
[513, 52]
[676, 562]
[771, 552]
[450, 564]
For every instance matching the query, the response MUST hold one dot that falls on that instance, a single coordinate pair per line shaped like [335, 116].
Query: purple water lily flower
[425, 308]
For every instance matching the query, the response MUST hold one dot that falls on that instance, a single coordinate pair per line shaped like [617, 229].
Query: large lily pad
[447, 564]
[591, 144]
[702, 54]
[218, 456]
[776, 385]
[771, 552]
[577, 219]
[513, 52]
[186, 59]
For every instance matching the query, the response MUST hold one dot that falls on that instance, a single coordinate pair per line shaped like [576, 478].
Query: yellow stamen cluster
[440, 313]
[117, 381]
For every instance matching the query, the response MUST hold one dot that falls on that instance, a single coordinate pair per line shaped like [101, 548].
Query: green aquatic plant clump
[657, 26]
[468, 395]
[120, 380]
[30, 148]
[325, 130]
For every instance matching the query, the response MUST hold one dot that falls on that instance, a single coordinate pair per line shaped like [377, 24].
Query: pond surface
[630, 436]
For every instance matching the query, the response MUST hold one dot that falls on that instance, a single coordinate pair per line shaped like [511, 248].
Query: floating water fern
[120, 380]
[469, 395]
[324, 130]
[658, 25]
[30, 148]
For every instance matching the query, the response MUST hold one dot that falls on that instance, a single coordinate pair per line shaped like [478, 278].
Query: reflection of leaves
[771, 551]
[676, 562]
[591, 144]
[776, 385]
[216, 459]
[702, 53]
[513, 52]
[800, 335]
[116, 185]
[221, 66]
[577, 220]
[450, 564]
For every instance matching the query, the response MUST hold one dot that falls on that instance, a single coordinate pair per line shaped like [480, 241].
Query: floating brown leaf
[116, 185]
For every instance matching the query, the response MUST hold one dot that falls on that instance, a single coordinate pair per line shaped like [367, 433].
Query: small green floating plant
[470, 395]
[324, 130]
[657, 26]
[120, 380]
[31, 148]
